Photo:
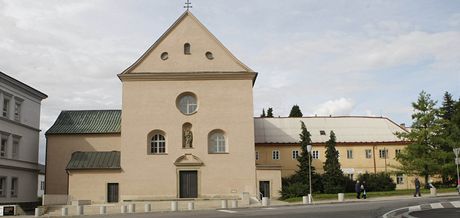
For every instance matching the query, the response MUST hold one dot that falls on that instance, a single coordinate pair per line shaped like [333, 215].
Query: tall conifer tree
[333, 178]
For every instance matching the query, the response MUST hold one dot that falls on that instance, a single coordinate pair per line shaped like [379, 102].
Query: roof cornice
[179, 76]
[20, 85]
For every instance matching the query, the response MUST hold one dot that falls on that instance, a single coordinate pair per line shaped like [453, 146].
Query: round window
[164, 56]
[209, 55]
[186, 103]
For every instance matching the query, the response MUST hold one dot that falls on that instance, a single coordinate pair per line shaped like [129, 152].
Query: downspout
[373, 155]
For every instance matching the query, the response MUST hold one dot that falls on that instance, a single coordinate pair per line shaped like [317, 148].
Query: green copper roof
[94, 160]
[91, 121]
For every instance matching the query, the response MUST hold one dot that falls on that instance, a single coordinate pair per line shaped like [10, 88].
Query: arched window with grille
[187, 48]
[217, 142]
[157, 143]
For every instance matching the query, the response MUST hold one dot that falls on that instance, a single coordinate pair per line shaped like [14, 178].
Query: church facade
[186, 130]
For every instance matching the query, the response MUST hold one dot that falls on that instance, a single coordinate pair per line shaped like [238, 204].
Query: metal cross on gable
[188, 5]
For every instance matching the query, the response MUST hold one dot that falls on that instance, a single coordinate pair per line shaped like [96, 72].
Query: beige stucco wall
[274, 177]
[189, 30]
[150, 105]
[359, 164]
[92, 184]
[59, 149]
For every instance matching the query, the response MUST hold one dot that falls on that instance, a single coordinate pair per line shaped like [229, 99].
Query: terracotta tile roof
[87, 122]
[94, 160]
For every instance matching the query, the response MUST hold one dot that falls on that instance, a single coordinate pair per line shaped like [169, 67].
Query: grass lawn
[317, 197]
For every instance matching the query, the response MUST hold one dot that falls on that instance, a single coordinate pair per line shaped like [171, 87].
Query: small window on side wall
[187, 48]
[217, 142]
[156, 142]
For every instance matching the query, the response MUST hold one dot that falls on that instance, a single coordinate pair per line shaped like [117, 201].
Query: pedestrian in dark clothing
[358, 189]
[417, 187]
[363, 189]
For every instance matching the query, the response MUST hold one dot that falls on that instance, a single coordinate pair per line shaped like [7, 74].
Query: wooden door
[112, 192]
[188, 184]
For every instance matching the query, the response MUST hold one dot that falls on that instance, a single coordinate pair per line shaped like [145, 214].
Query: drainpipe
[373, 155]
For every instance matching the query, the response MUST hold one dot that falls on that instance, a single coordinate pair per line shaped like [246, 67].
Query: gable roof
[94, 160]
[186, 16]
[348, 129]
[87, 122]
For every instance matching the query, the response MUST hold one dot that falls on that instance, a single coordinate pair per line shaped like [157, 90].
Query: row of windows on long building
[383, 153]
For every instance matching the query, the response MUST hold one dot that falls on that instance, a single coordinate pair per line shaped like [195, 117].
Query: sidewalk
[164, 206]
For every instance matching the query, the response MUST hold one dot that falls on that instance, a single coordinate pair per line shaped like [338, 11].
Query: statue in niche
[188, 138]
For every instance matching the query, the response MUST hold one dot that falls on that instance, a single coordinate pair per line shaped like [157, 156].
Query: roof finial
[188, 5]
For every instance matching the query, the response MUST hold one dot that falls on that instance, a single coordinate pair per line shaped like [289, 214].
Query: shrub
[376, 182]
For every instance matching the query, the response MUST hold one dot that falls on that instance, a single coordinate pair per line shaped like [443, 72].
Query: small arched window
[217, 142]
[187, 48]
[158, 144]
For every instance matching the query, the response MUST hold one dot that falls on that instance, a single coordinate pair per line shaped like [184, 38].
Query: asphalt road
[336, 210]
[448, 212]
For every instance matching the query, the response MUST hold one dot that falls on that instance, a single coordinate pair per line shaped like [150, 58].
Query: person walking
[417, 187]
[363, 189]
[358, 189]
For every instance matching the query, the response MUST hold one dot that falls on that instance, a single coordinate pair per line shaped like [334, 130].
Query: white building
[19, 134]
[41, 181]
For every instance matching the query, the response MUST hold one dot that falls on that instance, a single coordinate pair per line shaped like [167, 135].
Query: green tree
[299, 183]
[270, 112]
[263, 113]
[421, 156]
[333, 178]
[295, 111]
[448, 138]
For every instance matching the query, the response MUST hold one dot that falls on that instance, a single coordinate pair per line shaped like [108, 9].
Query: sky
[369, 57]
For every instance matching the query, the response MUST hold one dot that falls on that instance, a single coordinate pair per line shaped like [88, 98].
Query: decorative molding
[178, 76]
[19, 124]
[188, 160]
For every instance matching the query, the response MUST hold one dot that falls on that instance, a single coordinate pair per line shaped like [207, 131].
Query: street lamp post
[457, 161]
[309, 172]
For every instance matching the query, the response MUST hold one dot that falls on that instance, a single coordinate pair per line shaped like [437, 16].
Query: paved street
[355, 209]
[449, 212]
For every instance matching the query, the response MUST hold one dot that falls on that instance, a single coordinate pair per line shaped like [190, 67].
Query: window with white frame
[2, 186]
[17, 111]
[315, 154]
[295, 154]
[368, 153]
[399, 179]
[3, 145]
[6, 107]
[15, 150]
[257, 155]
[42, 185]
[14, 187]
[349, 154]
[383, 153]
[158, 144]
[275, 155]
[217, 142]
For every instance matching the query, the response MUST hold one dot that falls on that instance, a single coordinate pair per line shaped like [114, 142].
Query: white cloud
[341, 106]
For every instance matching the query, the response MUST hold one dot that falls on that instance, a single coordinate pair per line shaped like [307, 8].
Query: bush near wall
[376, 182]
